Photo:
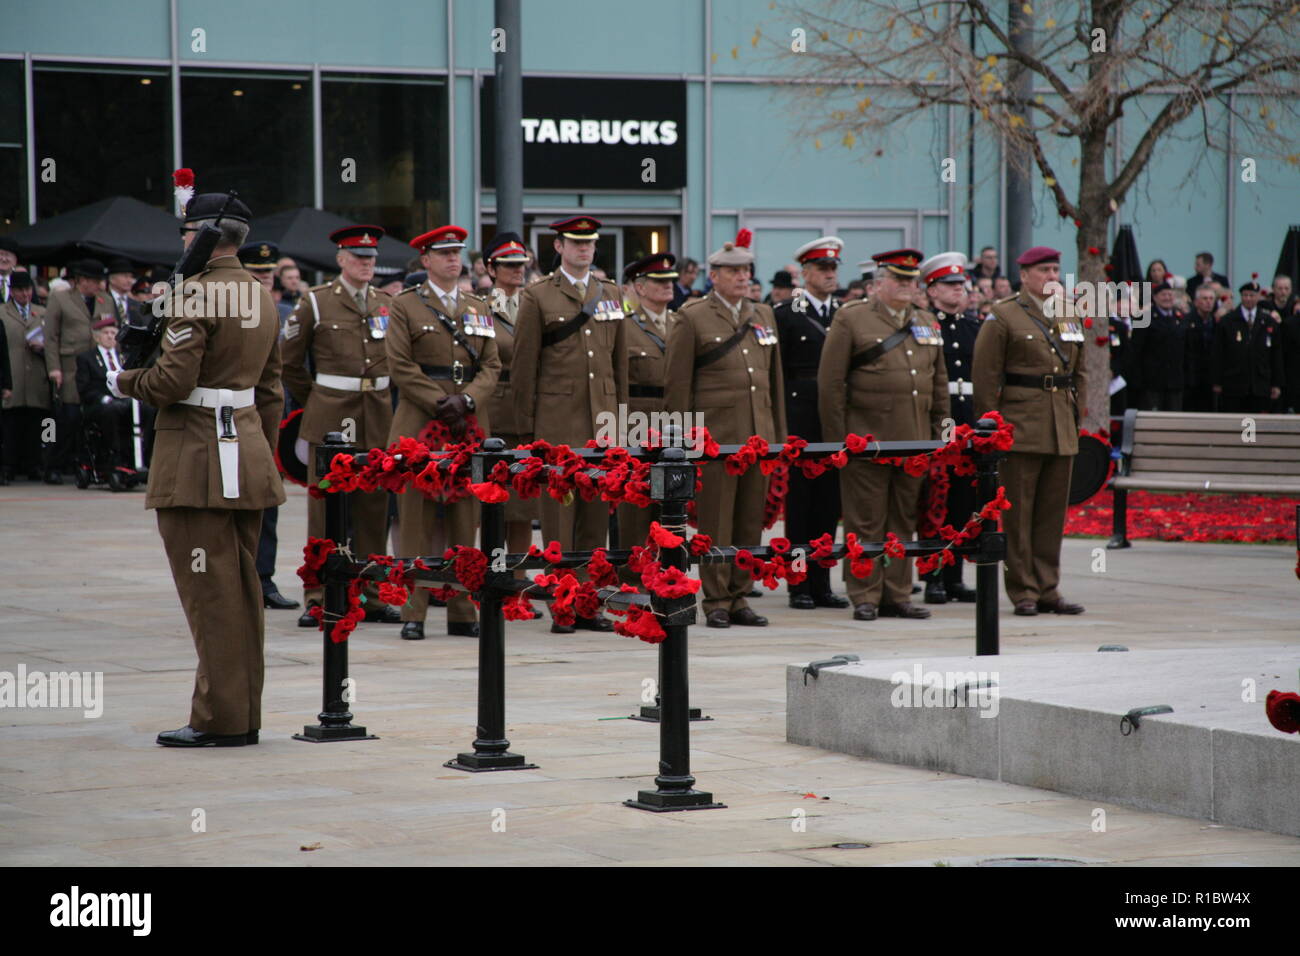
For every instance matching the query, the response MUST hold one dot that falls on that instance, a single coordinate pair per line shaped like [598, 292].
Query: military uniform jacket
[959, 333]
[501, 407]
[901, 396]
[417, 336]
[802, 335]
[67, 333]
[740, 394]
[560, 389]
[1200, 343]
[1159, 352]
[31, 388]
[1247, 359]
[647, 361]
[338, 338]
[1010, 341]
[214, 351]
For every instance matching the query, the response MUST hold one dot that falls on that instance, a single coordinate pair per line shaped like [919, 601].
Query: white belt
[227, 437]
[961, 388]
[348, 384]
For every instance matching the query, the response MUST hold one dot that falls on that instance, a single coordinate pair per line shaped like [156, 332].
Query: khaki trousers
[730, 511]
[1038, 487]
[369, 518]
[879, 499]
[417, 517]
[222, 597]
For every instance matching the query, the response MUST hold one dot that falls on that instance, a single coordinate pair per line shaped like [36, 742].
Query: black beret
[207, 205]
[8, 244]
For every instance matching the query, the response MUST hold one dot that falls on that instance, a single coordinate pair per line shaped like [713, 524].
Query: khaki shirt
[901, 396]
[647, 360]
[328, 325]
[214, 351]
[416, 336]
[738, 395]
[561, 389]
[68, 334]
[1011, 341]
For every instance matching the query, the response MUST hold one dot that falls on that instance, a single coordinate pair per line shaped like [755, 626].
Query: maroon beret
[1032, 257]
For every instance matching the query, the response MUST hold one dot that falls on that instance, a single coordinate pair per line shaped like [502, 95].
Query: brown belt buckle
[457, 372]
[367, 385]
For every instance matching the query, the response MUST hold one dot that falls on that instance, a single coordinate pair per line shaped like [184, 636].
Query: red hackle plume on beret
[183, 181]
[744, 238]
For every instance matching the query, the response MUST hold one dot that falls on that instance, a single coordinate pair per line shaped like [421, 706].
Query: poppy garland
[1189, 516]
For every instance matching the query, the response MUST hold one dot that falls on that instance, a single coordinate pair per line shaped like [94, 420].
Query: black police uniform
[812, 506]
[959, 333]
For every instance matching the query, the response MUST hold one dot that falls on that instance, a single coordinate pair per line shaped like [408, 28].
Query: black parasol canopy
[117, 226]
[303, 233]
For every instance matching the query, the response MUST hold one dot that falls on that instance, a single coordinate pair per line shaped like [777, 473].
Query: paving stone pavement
[85, 587]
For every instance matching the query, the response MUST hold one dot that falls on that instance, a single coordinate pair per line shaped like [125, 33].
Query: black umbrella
[303, 233]
[1125, 266]
[1288, 263]
[118, 226]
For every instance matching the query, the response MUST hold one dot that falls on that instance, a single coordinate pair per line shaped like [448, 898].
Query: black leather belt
[458, 374]
[1046, 382]
[645, 391]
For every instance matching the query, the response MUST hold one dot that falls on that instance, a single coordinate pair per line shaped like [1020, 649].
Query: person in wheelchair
[107, 419]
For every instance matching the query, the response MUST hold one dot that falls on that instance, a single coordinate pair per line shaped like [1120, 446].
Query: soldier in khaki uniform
[569, 366]
[724, 364]
[506, 257]
[443, 355]
[650, 326]
[882, 373]
[1029, 367]
[342, 326]
[68, 319]
[29, 402]
[216, 386]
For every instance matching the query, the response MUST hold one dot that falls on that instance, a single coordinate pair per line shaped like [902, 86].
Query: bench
[1195, 451]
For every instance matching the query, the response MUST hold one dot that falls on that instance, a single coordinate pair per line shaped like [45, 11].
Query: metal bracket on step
[1133, 719]
[836, 661]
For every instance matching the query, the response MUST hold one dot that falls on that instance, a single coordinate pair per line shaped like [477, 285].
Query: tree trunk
[1094, 213]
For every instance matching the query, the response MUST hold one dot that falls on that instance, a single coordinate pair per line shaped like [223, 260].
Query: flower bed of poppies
[1189, 516]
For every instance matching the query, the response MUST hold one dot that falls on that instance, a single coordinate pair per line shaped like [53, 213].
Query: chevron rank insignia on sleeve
[177, 336]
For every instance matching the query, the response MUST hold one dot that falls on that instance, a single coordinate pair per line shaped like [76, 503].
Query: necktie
[361, 300]
[112, 364]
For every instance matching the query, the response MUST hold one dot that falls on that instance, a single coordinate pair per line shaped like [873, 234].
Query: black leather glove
[452, 411]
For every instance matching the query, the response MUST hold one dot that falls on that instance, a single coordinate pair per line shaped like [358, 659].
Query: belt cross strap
[224, 401]
[1048, 383]
[867, 356]
[718, 351]
[560, 331]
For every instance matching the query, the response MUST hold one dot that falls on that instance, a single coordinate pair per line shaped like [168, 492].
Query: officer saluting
[724, 364]
[216, 386]
[443, 352]
[812, 506]
[1029, 367]
[944, 278]
[342, 326]
[651, 278]
[570, 365]
[882, 373]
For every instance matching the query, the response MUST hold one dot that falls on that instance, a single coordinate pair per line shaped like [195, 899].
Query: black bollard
[335, 718]
[491, 748]
[672, 482]
[992, 549]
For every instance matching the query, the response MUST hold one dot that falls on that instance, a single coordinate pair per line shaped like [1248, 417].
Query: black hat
[159, 274]
[20, 280]
[657, 265]
[380, 280]
[414, 279]
[783, 280]
[259, 256]
[8, 244]
[87, 269]
[142, 285]
[506, 247]
[1252, 285]
[207, 205]
[1162, 287]
[119, 264]
[359, 240]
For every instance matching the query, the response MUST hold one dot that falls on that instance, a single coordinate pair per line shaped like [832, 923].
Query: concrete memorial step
[1057, 721]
